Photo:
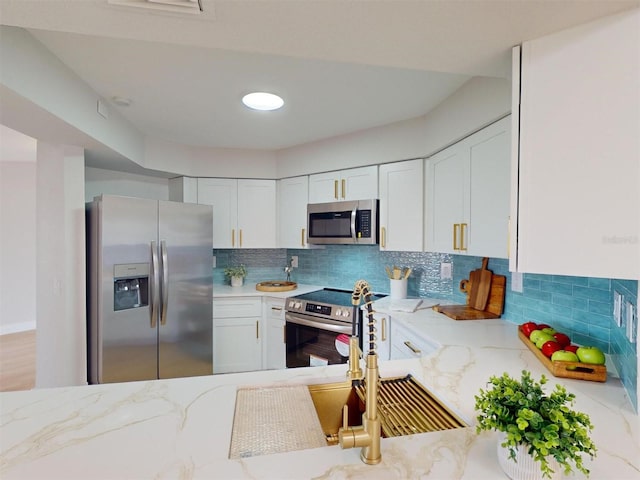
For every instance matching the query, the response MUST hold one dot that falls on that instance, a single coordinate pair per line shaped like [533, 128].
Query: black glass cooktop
[331, 296]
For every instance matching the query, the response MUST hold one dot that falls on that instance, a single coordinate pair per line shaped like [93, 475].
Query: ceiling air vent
[173, 6]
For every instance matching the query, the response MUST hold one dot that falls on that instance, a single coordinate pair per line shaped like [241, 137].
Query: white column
[61, 356]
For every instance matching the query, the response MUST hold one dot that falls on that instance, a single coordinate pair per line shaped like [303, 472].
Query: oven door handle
[322, 325]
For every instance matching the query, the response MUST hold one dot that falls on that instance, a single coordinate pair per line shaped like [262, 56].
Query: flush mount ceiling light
[263, 101]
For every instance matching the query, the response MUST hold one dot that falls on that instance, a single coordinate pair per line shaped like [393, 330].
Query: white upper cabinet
[293, 196]
[244, 211]
[401, 214]
[468, 194]
[353, 184]
[579, 155]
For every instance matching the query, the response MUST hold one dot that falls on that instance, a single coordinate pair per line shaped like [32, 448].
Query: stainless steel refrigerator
[149, 289]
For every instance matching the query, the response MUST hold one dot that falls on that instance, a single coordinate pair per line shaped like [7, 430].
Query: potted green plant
[538, 429]
[236, 274]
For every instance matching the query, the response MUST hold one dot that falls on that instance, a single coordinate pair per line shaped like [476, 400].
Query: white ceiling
[341, 66]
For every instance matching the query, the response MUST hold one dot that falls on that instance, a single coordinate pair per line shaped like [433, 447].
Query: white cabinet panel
[468, 194]
[579, 151]
[237, 336]
[401, 206]
[274, 338]
[244, 211]
[293, 196]
[222, 194]
[407, 344]
[257, 213]
[352, 184]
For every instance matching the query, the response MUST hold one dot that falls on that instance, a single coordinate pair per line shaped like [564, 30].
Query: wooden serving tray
[576, 370]
[464, 312]
[495, 302]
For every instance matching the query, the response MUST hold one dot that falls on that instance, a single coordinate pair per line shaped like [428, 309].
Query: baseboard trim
[17, 327]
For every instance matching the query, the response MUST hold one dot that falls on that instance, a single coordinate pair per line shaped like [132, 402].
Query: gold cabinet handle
[383, 320]
[383, 234]
[233, 237]
[240, 238]
[415, 350]
[456, 226]
[302, 237]
[335, 189]
[463, 247]
[344, 188]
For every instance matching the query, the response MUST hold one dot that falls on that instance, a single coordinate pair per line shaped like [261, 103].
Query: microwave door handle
[353, 223]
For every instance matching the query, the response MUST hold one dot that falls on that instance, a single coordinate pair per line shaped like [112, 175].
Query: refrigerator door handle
[155, 285]
[165, 283]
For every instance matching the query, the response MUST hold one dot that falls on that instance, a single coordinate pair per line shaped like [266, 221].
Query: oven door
[313, 341]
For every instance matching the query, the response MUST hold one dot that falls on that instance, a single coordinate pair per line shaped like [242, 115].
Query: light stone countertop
[181, 428]
[249, 290]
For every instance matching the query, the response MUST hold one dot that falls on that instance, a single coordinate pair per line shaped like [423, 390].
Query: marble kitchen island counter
[181, 428]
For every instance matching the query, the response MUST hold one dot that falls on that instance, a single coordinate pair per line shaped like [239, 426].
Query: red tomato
[549, 347]
[528, 327]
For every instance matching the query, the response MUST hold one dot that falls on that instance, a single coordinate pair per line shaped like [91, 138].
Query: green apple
[544, 338]
[535, 335]
[564, 356]
[592, 355]
[549, 330]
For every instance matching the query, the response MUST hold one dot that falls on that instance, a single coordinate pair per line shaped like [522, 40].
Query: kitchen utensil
[407, 272]
[389, 274]
[493, 309]
[480, 285]
[396, 273]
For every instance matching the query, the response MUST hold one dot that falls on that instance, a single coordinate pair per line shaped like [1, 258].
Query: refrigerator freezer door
[124, 342]
[186, 327]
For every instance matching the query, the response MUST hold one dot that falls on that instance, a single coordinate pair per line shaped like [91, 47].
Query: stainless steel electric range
[318, 327]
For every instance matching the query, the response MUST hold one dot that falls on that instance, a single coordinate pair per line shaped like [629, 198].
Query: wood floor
[18, 361]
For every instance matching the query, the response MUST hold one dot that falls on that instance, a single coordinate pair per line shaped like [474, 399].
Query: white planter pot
[525, 467]
[236, 281]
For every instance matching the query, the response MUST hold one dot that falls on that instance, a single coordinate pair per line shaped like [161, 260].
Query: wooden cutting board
[480, 280]
[493, 309]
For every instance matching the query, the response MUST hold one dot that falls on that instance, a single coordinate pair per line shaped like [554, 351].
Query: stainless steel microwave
[348, 222]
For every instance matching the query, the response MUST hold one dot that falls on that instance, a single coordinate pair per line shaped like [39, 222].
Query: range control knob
[338, 312]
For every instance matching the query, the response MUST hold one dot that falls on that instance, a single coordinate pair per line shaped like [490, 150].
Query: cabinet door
[489, 193]
[579, 148]
[401, 202]
[293, 196]
[446, 200]
[183, 189]
[324, 187]
[236, 345]
[222, 193]
[256, 214]
[359, 183]
[274, 348]
[352, 184]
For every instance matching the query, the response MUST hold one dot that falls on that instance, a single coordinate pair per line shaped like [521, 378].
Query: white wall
[98, 181]
[479, 102]
[61, 342]
[17, 231]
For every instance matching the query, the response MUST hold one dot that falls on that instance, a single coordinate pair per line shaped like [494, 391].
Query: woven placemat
[273, 420]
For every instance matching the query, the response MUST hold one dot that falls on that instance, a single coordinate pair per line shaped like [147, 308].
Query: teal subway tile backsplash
[580, 306]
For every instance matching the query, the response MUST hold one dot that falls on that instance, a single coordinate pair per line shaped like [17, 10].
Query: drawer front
[274, 308]
[237, 307]
[406, 344]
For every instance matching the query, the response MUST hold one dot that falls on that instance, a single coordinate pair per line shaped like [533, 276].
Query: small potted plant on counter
[236, 274]
[539, 434]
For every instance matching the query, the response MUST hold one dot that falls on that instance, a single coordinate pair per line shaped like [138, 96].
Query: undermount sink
[405, 407]
[276, 286]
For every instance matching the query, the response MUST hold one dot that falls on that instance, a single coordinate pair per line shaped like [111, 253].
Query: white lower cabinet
[407, 344]
[274, 349]
[237, 334]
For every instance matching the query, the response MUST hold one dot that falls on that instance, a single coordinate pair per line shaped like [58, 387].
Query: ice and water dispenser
[131, 286]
